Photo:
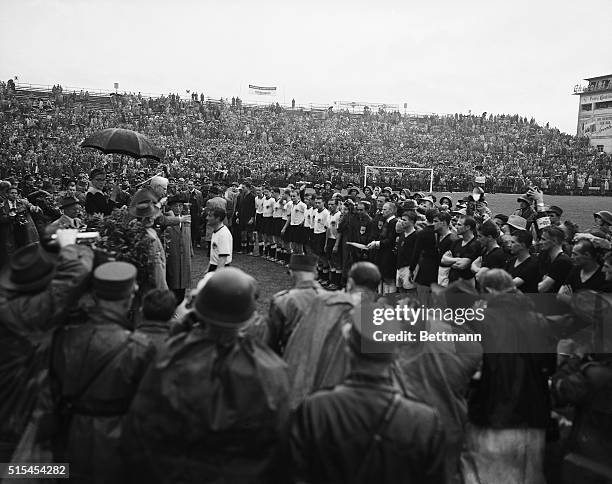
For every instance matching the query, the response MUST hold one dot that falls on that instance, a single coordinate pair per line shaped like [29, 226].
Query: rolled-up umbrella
[124, 142]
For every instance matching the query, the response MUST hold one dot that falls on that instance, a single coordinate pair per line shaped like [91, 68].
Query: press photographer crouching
[36, 292]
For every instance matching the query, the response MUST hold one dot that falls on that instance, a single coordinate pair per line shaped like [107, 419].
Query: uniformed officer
[213, 407]
[288, 307]
[96, 368]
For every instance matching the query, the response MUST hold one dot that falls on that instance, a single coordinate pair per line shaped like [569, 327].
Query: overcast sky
[445, 56]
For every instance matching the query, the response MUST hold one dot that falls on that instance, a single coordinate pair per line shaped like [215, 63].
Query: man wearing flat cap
[214, 407]
[96, 369]
[364, 429]
[36, 293]
[288, 307]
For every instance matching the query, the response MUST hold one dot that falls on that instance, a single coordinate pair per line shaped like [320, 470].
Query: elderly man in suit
[70, 207]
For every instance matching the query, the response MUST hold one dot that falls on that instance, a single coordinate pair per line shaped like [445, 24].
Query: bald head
[364, 274]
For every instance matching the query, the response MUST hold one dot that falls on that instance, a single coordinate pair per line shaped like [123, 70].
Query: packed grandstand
[40, 131]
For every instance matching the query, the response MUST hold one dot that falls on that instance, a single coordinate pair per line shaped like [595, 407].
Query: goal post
[421, 179]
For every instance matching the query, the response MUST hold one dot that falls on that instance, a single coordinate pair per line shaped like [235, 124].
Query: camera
[19, 216]
[86, 238]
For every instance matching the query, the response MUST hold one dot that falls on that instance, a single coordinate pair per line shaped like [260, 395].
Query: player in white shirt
[277, 224]
[221, 240]
[308, 222]
[320, 222]
[286, 245]
[333, 246]
[259, 198]
[294, 227]
[266, 226]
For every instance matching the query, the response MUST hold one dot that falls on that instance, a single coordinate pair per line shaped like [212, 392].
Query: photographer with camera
[16, 224]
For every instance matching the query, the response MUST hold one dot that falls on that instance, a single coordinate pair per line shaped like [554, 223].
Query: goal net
[396, 177]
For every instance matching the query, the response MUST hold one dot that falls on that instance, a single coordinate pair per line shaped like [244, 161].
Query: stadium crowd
[203, 137]
[111, 360]
[118, 366]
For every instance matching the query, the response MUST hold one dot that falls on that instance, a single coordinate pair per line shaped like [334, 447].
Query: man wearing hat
[225, 419]
[70, 207]
[603, 223]
[96, 369]
[353, 192]
[446, 201]
[525, 209]
[143, 207]
[36, 293]
[516, 222]
[389, 434]
[425, 203]
[554, 213]
[288, 307]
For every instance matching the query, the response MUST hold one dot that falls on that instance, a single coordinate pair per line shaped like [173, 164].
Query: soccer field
[270, 276]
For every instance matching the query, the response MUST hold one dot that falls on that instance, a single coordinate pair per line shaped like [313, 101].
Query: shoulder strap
[384, 422]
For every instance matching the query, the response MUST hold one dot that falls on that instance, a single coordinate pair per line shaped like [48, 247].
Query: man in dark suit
[245, 214]
[386, 258]
[426, 256]
[196, 201]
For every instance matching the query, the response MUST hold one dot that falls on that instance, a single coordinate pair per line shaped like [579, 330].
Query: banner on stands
[262, 90]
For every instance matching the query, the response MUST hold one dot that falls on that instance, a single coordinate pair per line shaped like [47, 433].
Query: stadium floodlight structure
[372, 172]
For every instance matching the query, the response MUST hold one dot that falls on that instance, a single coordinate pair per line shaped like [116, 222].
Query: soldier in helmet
[214, 405]
[96, 369]
[288, 307]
